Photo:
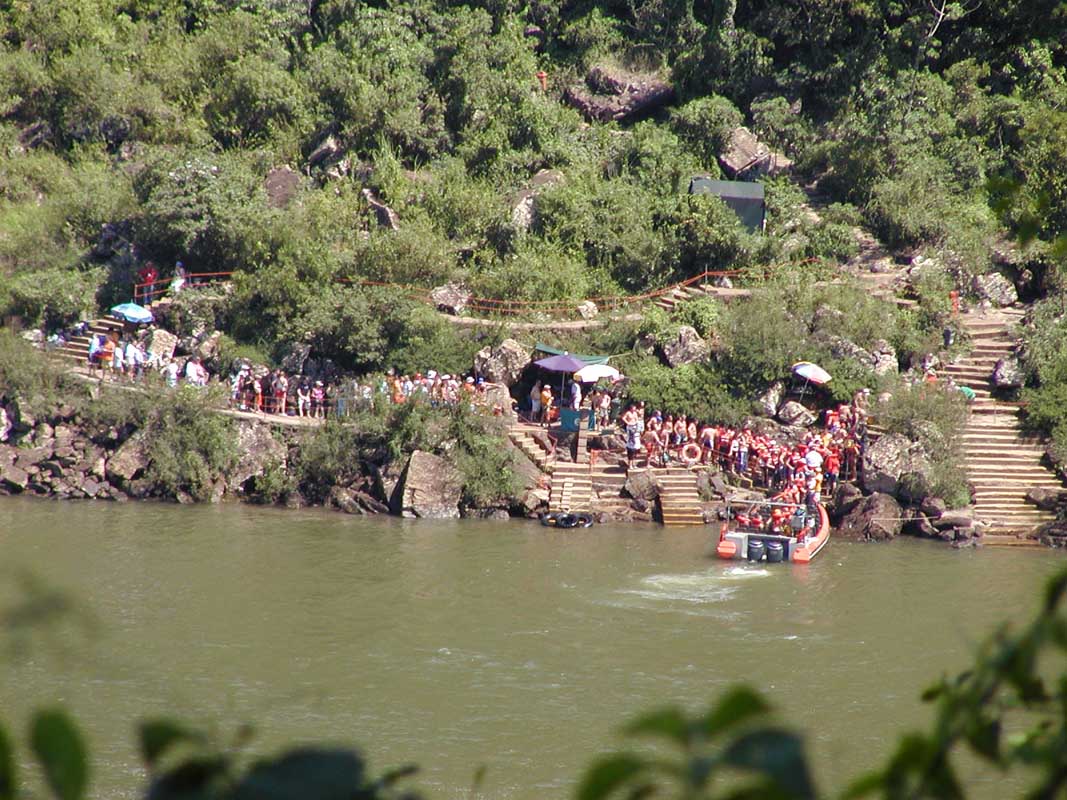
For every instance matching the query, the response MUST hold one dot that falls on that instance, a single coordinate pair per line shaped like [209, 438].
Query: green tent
[745, 198]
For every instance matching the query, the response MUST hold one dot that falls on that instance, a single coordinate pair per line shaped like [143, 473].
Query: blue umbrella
[131, 312]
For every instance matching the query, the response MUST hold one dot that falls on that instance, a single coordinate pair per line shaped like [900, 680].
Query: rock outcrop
[613, 95]
[452, 298]
[875, 518]
[768, 403]
[259, 451]
[995, 288]
[891, 457]
[794, 414]
[430, 488]
[745, 157]
[687, 347]
[503, 363]
[1008, 374]
[640, 485]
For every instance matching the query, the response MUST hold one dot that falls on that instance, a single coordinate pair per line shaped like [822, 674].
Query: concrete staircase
[572, 487]
[1002, 462]
[679, 499]
[530, 439]
[683, 293]
[76, 350]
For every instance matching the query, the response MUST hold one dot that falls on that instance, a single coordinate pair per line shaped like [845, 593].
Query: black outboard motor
[755, 549]
[775, 552]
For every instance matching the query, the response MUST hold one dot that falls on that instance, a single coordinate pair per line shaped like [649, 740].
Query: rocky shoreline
[56, 455]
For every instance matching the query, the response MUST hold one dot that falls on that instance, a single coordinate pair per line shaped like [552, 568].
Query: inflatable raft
[745, 538]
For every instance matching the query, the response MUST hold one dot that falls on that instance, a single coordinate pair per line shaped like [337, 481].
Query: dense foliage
[162, 119]
[136, 130]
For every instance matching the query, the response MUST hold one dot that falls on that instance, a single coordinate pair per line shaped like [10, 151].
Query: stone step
[1007, 540]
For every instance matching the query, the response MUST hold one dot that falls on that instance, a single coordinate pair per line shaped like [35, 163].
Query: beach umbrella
[591, 373]
[811, 372]
[131, 312]
[563, 363]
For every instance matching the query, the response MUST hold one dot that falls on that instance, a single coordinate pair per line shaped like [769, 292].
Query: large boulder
[524, 204]
[846, 497]
[686, 348]
[451, 298]
[503, 363]
[1046, 499]
[161, 344]
[387, 218]
[128, 462]
[846, 349]
[1008, 373]
[345, 500]
[207, 348]
[430, 488]
[768, 402]
[259, 450]
[892, 456]
[640, 485]
[281, 185]
[294, 361]
[588, 310]
[610, 94]
[885, 358]
[875, 518]
[531, 495]
[6, 425]
[995, 288]
[794, 413]
[13, 478]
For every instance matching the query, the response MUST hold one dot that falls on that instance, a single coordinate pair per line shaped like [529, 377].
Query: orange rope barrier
[486, 305]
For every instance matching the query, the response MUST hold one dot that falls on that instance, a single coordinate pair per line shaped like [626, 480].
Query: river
[462, 644]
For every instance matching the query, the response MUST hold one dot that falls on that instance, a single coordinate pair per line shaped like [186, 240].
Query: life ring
[691, 453]
[549, 520]
[567, 521]
[585, 520]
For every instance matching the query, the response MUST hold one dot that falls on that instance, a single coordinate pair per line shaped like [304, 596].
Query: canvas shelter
[745, 198]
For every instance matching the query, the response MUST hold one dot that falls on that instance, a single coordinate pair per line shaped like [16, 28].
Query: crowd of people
[544, 402]
[122, 355]
[801, 471]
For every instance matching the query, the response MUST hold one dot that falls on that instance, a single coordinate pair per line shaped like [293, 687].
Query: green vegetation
[146, 129]
[161, 120]
[1007, 711]
[337, 454]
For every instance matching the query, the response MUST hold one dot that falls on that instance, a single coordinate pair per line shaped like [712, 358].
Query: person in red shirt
[147, 275]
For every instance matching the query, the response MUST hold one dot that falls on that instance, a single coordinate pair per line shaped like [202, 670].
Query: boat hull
[735, 543]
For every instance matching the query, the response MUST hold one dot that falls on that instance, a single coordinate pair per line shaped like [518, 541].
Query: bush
[705, 124]
[692, 389]
[189, 445]
[929, 414]
[53, 298]
[26, 375]
[700, 313]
